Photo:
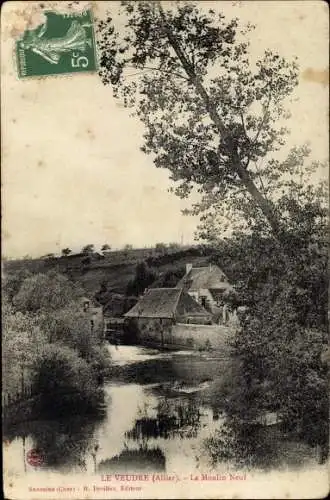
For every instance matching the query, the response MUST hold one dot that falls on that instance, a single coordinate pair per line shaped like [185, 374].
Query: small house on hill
[207, 285]
[160, 308]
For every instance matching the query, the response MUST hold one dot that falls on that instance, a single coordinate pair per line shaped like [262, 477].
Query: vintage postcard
[165, 249]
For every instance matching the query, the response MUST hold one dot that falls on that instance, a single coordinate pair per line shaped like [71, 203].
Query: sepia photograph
[165, 249]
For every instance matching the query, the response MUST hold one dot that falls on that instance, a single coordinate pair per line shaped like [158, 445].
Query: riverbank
[161, 408]
[26, 410]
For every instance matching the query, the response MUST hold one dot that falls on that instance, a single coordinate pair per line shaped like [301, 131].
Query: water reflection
[150, 424]
[142, 459]
[63, 445]
[158, 423]
[173, 418]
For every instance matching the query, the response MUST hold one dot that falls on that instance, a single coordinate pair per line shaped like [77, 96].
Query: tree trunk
[260, 200]
[264, 205]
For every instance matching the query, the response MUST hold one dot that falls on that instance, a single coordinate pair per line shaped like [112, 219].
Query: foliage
[170, 278]
[99, 360]
[291, 188]
[13, 281]
[87, 249]
[47, 292]
[45, 328]
[64, 381]
[49, 256]
[173, 247]
[66, 251]
[282, 338]
[210, 111]
[71, 326]
[22, 339]
[63, 441]
[160, 248]
[105, 247]
[102, 295]
[255, 262]
[144, 276]
[116, 270]
[242, 443]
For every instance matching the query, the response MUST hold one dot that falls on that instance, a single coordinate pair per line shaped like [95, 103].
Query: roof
[189, 307]
[156, 303]
[210, 277]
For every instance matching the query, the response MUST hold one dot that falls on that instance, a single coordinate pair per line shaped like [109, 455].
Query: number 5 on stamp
[63, 44]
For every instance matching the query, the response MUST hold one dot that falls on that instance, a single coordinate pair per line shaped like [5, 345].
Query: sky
[72, 171]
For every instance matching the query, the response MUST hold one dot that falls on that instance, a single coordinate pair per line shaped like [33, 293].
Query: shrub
[65, 381]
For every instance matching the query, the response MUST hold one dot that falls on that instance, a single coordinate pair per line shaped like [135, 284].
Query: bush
[48, 292]
[66, 383]
[100, 362]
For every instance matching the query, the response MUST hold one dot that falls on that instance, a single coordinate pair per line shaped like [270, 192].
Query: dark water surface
[160, 409]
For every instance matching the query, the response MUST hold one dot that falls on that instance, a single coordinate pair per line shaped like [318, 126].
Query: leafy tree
[160, 248]
[49, 256]
[252, 259]
[144, 276]
[128, 246]
[102, 295]
[282, 339]
[22, 338]
[49, 291]
[87, 249]
[291, 187]
[45, 328]
[66, 251]
[13, 281]
[70, 326]
[64, 381]
[105, 247]
[210, 116]
[173, 247]
[170, 278]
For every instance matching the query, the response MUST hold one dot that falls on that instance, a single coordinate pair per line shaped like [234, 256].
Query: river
[160, 408]
[159, 412]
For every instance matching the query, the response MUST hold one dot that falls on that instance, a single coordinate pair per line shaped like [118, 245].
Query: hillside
[114, 269]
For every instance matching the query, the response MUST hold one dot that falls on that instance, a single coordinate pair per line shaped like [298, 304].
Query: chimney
[188, 268]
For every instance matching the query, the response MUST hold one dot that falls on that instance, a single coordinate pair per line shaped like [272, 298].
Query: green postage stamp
[65, 43]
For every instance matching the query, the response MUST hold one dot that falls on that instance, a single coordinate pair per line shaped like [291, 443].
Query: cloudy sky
[72, 170]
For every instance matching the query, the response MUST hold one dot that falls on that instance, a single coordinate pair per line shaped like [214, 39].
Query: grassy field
[115, 269]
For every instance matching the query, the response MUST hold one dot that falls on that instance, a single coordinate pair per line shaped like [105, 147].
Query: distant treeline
[153, 256]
